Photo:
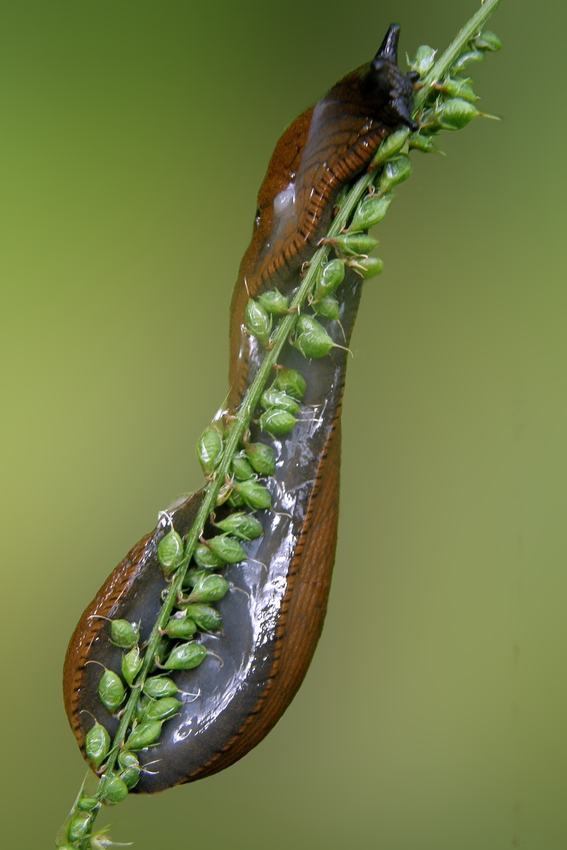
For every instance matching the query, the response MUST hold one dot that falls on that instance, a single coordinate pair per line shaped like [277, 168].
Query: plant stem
[452, 53]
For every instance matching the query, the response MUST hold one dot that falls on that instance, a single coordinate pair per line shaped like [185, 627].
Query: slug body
[270, 630]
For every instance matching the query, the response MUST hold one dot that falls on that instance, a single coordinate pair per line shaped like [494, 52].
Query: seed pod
[422, 142]
[328, 307]
[100, 840]
[391, 145]
[330, 278]
[79, 827]
[131, 664]
[158, 687]
[311, 338]
[144, 734]
[274, 302]
[395, 172]
[211, 588]
[466, 58]
[459, 88]
[371, 211]
[186, 656]
[207, 618]
[226, 548]
[128, 759]
[209, 449]
[487, 40]
[254, 495]
[241, 468]
[142, 704]
[356, 243]
[276, 422]
[193, 576]
[170, 551]
[88, 804]
[279, 399]
[424, 59]
[366, 267]
[180, 628]
[235, 500]
[159, 709]
[111, 690]
[205, 558]
[115, 790]
[258, 321]
[130, 777]
[97, 744]
[123, 633]
[163, 647]
[456, 113]
[261, 458]
[289, 380]
[242, 525]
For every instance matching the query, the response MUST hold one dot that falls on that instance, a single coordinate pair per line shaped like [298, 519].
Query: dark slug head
[382, 83]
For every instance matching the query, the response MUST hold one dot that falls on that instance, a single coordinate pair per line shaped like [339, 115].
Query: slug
[271, 628]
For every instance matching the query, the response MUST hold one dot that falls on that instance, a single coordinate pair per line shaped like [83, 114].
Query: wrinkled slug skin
[271, 629]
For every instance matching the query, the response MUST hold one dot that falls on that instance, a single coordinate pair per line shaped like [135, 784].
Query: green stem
[454, 50]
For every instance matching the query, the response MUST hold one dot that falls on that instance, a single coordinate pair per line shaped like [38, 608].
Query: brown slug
[270, 630]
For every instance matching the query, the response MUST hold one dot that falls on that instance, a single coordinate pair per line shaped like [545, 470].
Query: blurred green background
[135, 136]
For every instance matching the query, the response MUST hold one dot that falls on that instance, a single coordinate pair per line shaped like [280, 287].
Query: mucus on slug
[269, 632]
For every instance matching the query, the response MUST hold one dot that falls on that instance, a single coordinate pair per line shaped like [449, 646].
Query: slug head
[385, 86]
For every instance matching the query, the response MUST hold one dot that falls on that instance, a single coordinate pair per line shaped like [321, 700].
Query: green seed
[144, 734]
[126, 759]
[111, 690]
[130, 777]
[241, 468]
[261, 458]
[235, 500]
[254, 495]
[367, 267]
[207, 618]
[274, 302]
[459, 88]
[279, 399]
[158, 687]
[205, 558]
[227, 549]
[466, 58]
[421, 142]
[424, 59]
[328, 307]
[209, 449]
[180, 628]
[79, 827]
[115, 790]
[356, 243]
[311, 338]
[391, 145]
[371, 211]
[186, 656]
[242, 525]
[210, 588]
[487, 40]
[87, 804]
[276, 422]
[193, 576]
[330, 278]
[456, 113]
[97, 744]
[289, 380]
[395, 172]
[258, 321]
[131, 664]
[162, 708]
[170, 551]
[123, 633]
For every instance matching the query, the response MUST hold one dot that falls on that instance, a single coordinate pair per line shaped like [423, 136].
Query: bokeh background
[134, 138]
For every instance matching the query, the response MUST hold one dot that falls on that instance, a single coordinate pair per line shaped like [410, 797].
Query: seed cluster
[449, 104]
